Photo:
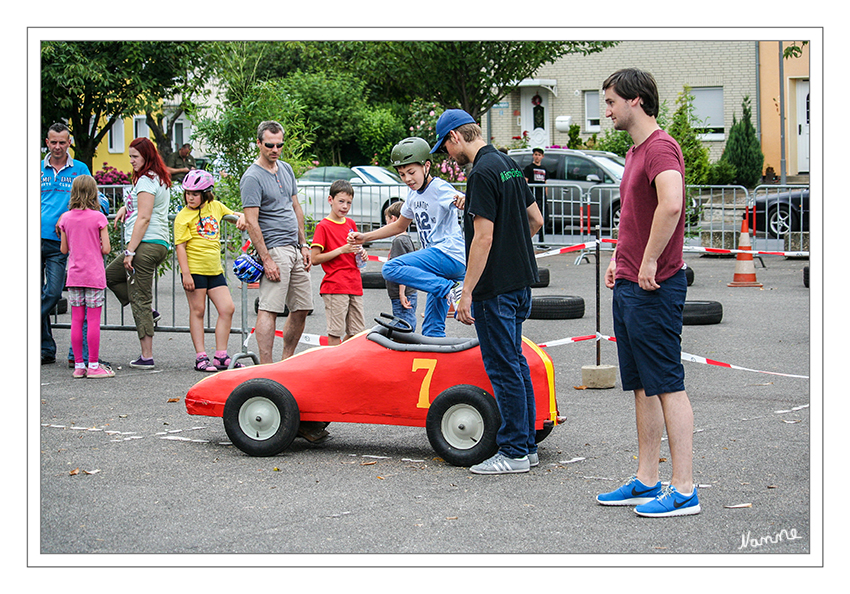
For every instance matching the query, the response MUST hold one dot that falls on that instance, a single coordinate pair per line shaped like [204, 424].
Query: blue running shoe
[633, 492]
[670, 503]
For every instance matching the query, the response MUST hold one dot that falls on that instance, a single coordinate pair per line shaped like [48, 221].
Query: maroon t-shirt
[638, 201]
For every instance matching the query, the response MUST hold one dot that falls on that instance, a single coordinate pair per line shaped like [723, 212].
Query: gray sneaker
[533, 459]
[501, 464]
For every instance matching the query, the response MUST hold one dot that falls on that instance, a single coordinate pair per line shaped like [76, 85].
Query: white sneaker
[501, 464]
[454, 295]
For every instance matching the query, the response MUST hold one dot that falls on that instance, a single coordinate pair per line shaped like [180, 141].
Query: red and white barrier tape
[685, 356]
[687, 249]
[313, 339]
[378, 258]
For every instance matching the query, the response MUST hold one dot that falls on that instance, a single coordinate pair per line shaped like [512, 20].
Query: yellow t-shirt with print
[201, 232]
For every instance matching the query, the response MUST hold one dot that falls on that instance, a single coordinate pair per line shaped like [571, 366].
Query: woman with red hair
[146, 242]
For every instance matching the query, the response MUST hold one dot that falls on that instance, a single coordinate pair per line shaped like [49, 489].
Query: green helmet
[411, 150]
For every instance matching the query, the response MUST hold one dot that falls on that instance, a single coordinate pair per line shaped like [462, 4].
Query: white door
[534, 114]
[802, 126]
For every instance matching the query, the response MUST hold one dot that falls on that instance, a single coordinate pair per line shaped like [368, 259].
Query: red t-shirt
[342, 276]
[639, 199]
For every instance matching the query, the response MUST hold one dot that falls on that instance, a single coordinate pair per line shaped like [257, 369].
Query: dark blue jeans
[498, 322]
[53, 281]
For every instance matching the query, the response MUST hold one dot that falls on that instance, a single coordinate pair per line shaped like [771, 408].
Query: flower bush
[110, 176]
[448, 170]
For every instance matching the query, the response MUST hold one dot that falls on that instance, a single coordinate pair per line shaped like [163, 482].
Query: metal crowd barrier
[716, 220]
[113, 316]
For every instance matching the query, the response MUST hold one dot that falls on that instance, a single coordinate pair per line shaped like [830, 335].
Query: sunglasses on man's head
[273, 145]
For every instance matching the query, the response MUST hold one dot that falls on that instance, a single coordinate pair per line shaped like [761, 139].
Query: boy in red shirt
[342, 286]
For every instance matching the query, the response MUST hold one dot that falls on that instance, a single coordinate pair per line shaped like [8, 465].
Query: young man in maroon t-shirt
[649, 285]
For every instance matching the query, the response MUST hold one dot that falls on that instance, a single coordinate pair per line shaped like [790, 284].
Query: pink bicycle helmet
[198, 180]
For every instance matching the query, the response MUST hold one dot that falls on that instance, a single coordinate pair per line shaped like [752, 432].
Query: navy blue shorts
[648, 328]
[206, 281]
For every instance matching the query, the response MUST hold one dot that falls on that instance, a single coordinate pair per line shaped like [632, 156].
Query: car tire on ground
[556, 307]
[806, 276]
[689, 275]
[373, 280]
[261, 417]
[543, 273]
[461, 425]
[698, 313]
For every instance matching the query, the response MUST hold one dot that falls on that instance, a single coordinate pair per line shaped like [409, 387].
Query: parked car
[584, 169]
[393, 376]
[375, 188]
[780, 213]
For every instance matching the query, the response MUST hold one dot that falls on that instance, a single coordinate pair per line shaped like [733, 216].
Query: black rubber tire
[60, 308]
[462, 423]
[275, 421]
[373, 280]
[689, 275]
[697, 313]
[806, 276]
[556, 307]
[542, 434]
[543, 273]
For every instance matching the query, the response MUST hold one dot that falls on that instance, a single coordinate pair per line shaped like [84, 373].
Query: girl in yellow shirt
[197, 240]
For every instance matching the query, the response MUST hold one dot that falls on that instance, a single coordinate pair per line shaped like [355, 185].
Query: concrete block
[599, 376]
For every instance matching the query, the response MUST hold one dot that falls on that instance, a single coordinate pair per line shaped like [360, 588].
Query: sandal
[222, 363]
[202, 363]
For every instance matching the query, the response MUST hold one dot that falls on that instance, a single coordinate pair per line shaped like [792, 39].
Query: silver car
[375, 188]
[568, 206]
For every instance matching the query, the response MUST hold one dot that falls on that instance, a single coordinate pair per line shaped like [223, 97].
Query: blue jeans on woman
[498, 322]
[432, 272]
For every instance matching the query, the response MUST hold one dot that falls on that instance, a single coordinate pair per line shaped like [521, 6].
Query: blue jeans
[432, 272]
[498, 322]
[408, 315]
[53, 263]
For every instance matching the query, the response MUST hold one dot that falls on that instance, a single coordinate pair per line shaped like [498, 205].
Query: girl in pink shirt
[85, 238]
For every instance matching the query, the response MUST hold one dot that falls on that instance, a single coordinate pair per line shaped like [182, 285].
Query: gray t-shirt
[272, 193]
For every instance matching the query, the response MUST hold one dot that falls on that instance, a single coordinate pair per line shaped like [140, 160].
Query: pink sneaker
[79, 373]
[100, 372]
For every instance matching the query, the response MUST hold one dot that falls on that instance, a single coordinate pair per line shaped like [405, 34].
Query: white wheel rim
[259, 418]
[462, 426]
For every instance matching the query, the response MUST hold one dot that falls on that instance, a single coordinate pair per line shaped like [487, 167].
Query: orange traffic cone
[745, 270]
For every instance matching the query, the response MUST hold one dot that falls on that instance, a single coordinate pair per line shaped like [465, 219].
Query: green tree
[472, 75]
[743, 149]
[231, 133]
[683, 127]
[334, 103]
[92, 84]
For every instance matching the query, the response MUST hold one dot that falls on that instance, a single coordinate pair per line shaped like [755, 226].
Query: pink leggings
[93, 335]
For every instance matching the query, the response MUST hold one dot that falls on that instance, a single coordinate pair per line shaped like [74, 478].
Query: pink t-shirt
[639, 199]
[85, 259]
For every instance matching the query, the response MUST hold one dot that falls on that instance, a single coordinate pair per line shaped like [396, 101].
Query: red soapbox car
[387, 375]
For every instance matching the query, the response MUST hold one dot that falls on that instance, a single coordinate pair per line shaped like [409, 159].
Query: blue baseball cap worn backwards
[448, 121]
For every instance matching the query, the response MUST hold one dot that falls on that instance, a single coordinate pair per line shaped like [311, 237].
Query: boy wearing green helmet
[439, 267]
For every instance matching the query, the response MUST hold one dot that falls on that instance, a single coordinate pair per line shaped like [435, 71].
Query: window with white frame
[591, 111]
[178, 135]
[708, 112]
[140, 127]
[115, 137]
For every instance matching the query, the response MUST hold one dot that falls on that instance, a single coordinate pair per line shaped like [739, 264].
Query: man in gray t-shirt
[275, 223]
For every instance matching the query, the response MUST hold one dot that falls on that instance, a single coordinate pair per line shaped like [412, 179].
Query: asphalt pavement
[124, 470]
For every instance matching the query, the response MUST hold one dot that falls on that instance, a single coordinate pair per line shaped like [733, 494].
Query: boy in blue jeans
[439, 267]
[403, 298]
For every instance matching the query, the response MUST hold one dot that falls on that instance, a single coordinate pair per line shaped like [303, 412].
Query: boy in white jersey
[439, 267]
